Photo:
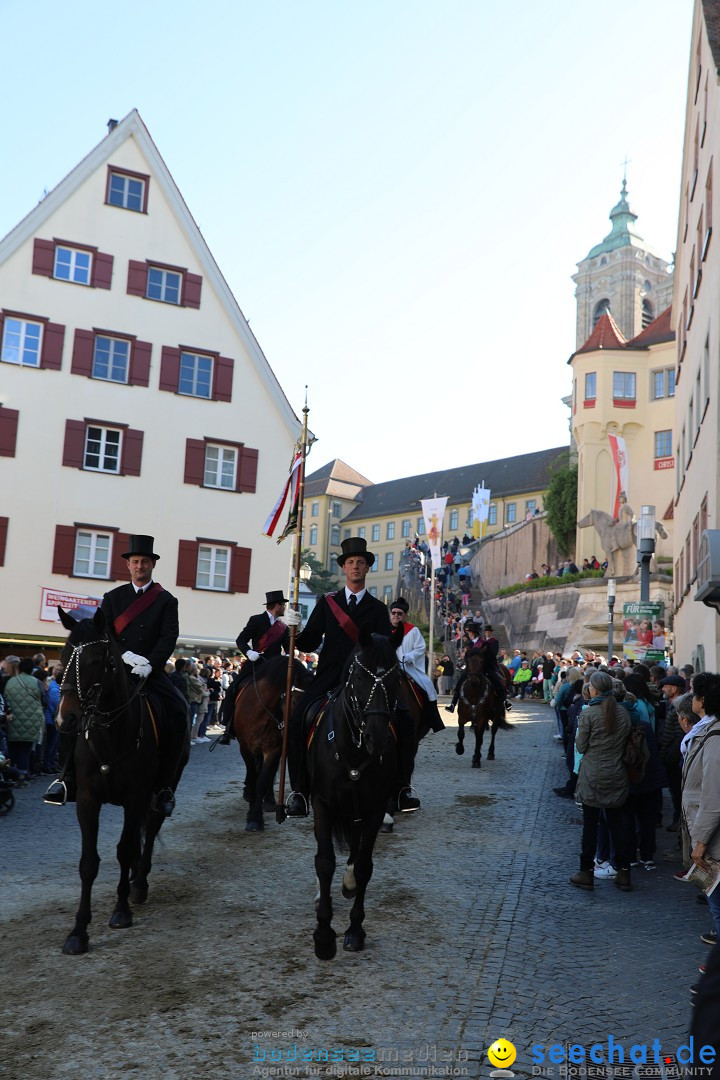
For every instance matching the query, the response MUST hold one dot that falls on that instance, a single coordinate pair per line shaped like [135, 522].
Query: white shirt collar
[271, 618]
[358, 595]
[141, 588]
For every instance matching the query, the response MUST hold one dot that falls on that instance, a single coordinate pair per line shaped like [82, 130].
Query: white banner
[81, 607]
[434, 512]
[480, 509]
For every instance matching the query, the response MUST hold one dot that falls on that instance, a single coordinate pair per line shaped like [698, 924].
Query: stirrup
[61, 794]
[412, 794]
[306, 804]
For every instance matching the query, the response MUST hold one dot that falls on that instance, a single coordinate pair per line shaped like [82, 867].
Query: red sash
[343, 619]
[271, 635]
[140, 603]
[407, 627]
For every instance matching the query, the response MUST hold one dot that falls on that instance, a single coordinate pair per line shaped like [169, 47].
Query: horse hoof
[475, 763]
[76, 945]
[387, 828]
[459, 748]
[349, 894]
[491, 756]
[120, 920]
[254, 826]
[325, 945]
[354, 942]
[138, 894]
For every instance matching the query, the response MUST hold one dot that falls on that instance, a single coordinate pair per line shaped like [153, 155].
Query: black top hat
[355, 545]
[275, 597]
[401, 603]
[140, 545]
[488, 627]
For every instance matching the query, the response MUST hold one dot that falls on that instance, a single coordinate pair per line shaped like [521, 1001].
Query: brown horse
[258, 724]
[479, 705]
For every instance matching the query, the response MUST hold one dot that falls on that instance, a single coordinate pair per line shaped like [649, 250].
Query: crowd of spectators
[30, 696]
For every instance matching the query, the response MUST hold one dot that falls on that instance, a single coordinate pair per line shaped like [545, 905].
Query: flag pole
[280, 812]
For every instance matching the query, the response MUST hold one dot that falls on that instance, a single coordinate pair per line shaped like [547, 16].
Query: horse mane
[377, 651]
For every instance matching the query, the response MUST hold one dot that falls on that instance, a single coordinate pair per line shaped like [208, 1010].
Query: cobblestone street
[473, 933]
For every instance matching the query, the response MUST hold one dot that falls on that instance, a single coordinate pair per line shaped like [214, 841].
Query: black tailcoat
[152, 634]
[370, 614]
[257, 626]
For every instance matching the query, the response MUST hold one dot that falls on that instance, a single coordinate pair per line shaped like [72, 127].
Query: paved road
[473, 934]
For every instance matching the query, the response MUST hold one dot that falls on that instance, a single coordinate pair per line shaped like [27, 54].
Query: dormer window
[128, 190]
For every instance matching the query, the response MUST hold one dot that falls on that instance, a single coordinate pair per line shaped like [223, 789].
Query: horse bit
[360, 711]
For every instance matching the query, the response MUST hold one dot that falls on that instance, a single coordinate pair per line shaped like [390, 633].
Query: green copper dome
[623, 232]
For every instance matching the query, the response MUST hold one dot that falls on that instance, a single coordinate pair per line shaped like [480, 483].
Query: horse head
[370, 691]
[90, 667]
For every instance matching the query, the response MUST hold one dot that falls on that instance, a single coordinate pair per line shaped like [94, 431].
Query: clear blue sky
[397, 192]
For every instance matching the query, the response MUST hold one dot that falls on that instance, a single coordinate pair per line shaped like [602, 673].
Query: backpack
[636, 754]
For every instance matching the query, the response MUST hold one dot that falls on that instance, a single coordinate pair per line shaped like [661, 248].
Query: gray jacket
[701, 789]
[603, 778]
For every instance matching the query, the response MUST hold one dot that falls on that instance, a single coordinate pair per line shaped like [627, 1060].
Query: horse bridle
[91, 715]
[474, 706]
[356, 714]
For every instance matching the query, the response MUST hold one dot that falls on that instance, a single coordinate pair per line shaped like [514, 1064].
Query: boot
[64, 788]
[622, 880]
[298, 804]
[584, 879]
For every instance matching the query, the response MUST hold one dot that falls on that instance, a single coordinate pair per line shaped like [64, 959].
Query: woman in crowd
[637, 686]
[26, 719]
[603, 728]
[701, 780]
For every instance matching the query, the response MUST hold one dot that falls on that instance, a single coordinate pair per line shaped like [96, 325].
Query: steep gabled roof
[505, 476]
[606, 335]
[133, 127]
[336, 478]
[658, 331]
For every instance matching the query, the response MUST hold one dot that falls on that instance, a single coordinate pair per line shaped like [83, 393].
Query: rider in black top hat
[269, 637]
[490, 647]
[148, 632]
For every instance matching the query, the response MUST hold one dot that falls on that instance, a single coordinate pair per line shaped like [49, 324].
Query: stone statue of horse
[617, 538]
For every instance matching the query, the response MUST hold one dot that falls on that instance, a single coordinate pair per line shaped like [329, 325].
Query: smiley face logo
[501, 1054]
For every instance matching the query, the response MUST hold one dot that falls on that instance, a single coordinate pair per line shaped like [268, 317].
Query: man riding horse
[336, 620]
[270, 637]
[489, 647]
[144, 618]
[411, 654]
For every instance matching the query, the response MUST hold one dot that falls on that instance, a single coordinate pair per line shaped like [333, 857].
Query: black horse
[116, 761]
[481, 704]
[352, 763]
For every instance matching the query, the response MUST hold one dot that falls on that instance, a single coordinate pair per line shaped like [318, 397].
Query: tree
[561, 506]
[321, 580]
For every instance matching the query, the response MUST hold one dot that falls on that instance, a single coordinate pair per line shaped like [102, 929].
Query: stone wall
[505, 558]
[568, 617]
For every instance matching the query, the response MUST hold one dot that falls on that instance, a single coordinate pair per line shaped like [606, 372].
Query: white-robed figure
[411, 654]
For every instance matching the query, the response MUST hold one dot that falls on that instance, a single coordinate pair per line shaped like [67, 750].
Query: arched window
[647, 313]
[601, 308]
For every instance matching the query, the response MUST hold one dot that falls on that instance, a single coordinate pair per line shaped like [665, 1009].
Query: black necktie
[352, 601]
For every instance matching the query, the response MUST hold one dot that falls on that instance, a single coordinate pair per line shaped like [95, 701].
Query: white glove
[139, 665]
[131, 658]
[293, 617]
[252, 655]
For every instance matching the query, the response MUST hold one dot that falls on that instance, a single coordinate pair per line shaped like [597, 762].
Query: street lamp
[305, 572]
[611, 609]
[645, 548]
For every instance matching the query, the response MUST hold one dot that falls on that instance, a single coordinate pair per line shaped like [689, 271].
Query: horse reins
[474, 706]
[89, 710]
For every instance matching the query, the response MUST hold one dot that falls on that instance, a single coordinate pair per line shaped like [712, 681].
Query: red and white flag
[619, 453]
[292, 487]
